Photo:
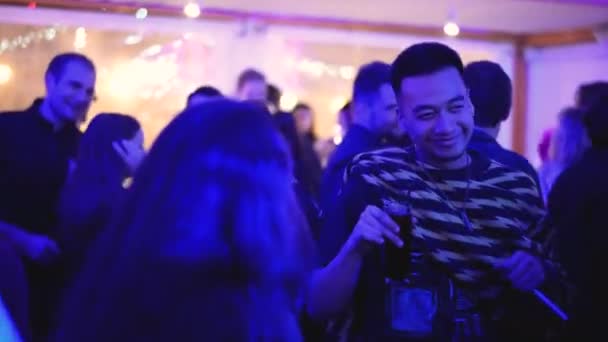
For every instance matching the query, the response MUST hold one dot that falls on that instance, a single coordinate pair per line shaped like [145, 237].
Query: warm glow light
[133, 39]
[192, 10]
[288, 101]
[336, 104]
[142, 78]
[348, 72]
[337, 139]
[80, 39]
[6, 73]
[451, 29]
[141, 13]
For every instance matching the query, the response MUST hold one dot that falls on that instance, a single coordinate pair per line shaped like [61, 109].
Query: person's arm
[351, 228]
[8, 331]
[534, 264]
[35, 247]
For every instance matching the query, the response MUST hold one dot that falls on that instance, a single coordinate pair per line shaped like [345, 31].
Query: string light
[25, 40]
[192, 10]
[317, 68]
[133, 39]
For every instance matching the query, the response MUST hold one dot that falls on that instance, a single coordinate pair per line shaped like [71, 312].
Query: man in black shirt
[36, 146]
[490, 91]
[374, 112]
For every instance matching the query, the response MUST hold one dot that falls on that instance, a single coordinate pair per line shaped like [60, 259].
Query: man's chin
[450, 156]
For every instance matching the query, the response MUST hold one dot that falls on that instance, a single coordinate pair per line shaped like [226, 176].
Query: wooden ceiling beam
[547, 39]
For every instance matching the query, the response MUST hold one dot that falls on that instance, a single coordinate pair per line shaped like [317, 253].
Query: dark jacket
[357, 140]
[34, 160]
[485, 144]
[577, 207]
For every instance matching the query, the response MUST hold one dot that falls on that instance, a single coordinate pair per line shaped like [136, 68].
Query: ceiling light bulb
[141, 13]
[451, 29]
[192, 10]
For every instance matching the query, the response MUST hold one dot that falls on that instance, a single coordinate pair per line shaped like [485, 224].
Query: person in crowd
[345, 117]
[490, 91]
[8, 330]
[589, 93]
[252, 86]
[326, 147]
[13, 292]
[209, 245]
[311, 163]
[110, 151]
[577, 207]
[462, 265]
[543, 146]
[374, 117]
[273, 98]
[203, 94]
[36, 146]
[303, 114]
[286, 124]
[568, 144]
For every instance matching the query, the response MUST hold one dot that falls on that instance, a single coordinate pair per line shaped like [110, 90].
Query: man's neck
[491, 131]
[452, 164]
[50, 116]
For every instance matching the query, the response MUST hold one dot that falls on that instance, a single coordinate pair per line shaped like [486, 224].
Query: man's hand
[374, 227]
[39, 248]
[130, 152]
[524, 271]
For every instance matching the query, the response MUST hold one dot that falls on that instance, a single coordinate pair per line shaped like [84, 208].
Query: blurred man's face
[384, 111]
[254, 90]
[304, 120]
[71, 93]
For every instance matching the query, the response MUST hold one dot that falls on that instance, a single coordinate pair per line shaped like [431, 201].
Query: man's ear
[50, 82]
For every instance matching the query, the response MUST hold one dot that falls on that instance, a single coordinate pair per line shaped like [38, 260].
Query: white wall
[554, 75]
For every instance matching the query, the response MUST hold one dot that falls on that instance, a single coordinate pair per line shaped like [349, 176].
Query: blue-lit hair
[210, 245]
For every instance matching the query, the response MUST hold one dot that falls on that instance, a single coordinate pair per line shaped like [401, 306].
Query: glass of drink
[396, 259]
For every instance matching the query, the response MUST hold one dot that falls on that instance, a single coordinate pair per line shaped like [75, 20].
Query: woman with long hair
[568, 143]
[210, 244]
[109, 152]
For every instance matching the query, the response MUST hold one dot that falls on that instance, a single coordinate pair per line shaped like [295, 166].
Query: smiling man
[471, 238]
[36, 146]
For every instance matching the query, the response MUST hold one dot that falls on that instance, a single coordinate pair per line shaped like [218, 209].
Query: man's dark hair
[370, 78]
[423, 59]
[57, 65]
[273, 95]
[490, 91]
[346, 107]
[249, 75]
[301, 105]
[596, 121]
[208, 91]
[590, 93]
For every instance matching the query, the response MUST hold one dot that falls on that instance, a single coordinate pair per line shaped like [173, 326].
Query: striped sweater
[502, 206]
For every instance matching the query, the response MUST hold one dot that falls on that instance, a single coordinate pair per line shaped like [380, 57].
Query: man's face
[437, 114]
[254, 90]
[303, 117]
[71, 93]
[384, 111]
